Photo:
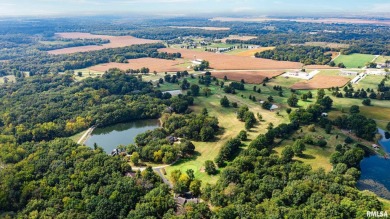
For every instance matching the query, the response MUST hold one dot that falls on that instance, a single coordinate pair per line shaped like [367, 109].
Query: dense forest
[44, 107]
[307, 55]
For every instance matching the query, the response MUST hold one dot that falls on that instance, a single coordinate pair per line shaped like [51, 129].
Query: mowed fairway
[321, 81]
[232, 62]
[158, 65]
[252, 77]
[115, 42]
[354, 60]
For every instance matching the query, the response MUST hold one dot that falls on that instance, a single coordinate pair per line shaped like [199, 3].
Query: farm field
[251, 52]
[321, 81]
[202, 28]
[237, 37]
[382, 59]
[230, 62]
[158, 65]
[252, 77]
[115, 42]
[354, 60]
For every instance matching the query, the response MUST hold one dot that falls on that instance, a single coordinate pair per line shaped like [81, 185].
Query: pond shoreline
[110, 137]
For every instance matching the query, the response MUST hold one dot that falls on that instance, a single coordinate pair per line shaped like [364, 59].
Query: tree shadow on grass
[187, 159]
[306, 156]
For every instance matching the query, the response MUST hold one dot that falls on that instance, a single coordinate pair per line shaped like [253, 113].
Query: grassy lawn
[370, 81]
[354, 60]
[229, 124]
[317, 157]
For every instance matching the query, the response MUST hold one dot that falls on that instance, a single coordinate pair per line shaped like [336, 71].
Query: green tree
[190, 174]
[210, 167]
[225, 102]
[195, 89]
[292, 100]
[366, 102]
[243, 136]
[195, 186]
[388, 126]
[135, 158]
[354, 109]
[287, 154]
[206, 133]
[298, 147]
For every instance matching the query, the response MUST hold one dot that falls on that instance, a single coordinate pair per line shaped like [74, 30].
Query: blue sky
[193, 7]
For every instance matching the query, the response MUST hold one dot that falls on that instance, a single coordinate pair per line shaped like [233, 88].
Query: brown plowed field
[321, 81]
[115, 42]
[158, 65]
[252, 77]
[232, 62]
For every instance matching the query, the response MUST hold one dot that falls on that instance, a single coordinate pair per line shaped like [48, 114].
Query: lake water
[109, 138]
[376, 173]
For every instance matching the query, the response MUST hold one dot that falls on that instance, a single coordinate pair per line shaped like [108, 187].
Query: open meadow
[354, 60]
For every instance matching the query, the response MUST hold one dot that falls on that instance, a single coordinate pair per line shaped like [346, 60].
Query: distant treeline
[71, 43]
[307, 55]
[37, 62]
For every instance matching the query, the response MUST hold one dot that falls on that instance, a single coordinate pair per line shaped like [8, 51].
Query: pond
[109, 138]
[375, 173]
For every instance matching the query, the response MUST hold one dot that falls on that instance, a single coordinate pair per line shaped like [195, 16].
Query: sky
[194, 7]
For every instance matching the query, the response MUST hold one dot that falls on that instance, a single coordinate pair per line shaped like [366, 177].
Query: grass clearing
[7, 79]
[382, 59]
[87, 73]
[317, 157]
[355, 60]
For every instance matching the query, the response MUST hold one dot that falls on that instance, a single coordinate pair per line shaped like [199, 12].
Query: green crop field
[354, 60]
